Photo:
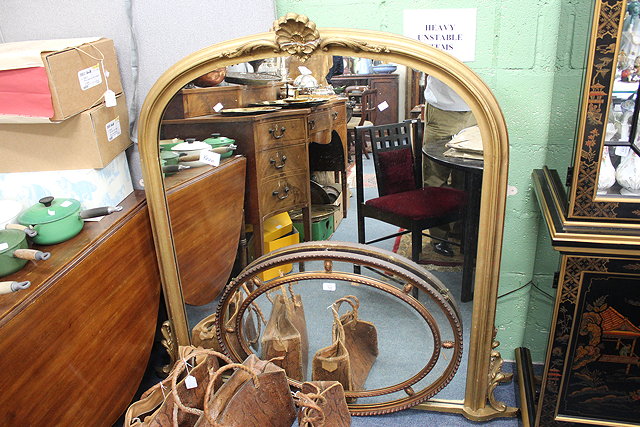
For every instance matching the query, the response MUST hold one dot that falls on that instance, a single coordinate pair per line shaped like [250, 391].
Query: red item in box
[25, 92]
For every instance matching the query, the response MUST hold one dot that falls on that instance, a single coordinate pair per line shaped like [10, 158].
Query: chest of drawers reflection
[276, 146]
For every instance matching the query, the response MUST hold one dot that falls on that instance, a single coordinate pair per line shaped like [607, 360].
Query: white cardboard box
[92, 187]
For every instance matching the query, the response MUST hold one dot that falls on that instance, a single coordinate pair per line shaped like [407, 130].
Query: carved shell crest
[296, 35]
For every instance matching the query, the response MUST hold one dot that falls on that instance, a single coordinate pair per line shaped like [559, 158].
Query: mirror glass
[367, 324]
[619, 162]
[249, 102]
[400, 329]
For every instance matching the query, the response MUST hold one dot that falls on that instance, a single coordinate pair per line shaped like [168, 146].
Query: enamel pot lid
[49, 209]
[190, 144]
[10, 239]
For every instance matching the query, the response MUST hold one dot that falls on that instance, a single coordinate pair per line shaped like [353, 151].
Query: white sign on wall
[450, 30]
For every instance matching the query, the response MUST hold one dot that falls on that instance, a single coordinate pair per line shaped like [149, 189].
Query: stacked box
[52, 80]
[92, 139]
[57, 134]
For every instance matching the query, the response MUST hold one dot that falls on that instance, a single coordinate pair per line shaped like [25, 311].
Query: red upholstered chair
[401, 200]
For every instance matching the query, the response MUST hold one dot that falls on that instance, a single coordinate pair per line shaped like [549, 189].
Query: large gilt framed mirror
[296, 36]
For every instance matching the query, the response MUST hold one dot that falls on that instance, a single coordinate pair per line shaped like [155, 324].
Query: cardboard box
[277, 226]
[92, 187]
[290, 239]
[89, 140]
[338, 215]
[78, 76]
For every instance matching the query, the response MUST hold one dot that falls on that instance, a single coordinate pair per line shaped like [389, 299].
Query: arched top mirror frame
[295, 35]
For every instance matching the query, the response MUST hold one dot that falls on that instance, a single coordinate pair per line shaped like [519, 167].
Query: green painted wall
[531, 55]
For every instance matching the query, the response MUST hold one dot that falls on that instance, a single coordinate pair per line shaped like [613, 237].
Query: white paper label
[113, 129]
[383, 106]
[328, 286]
[210, 158]
[66, 204]
[90, 77]
[622, 151]
[50, 212]
[450, 30]
[4, 246]
[190, 382]
[218, 107]
[304, 70]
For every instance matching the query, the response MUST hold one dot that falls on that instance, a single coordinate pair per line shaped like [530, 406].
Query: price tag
[190, 382]
[383, 106]
[90, 77]
[66, 204]
[328, 286]
[622, 151]
[218, 107]
[304, 70]
[110, 98]
[4, 246]
[210, 158]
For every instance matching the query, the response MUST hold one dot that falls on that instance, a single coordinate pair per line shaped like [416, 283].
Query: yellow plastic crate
[290, 239]
[277, 226]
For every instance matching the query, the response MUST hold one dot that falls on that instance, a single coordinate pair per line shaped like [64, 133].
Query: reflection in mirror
[620, 163]
[225, 150]
[399, 349]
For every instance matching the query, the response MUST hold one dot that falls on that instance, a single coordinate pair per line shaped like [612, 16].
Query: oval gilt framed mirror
[297, 36]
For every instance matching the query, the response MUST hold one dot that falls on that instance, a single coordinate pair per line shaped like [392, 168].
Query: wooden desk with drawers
[276, 146]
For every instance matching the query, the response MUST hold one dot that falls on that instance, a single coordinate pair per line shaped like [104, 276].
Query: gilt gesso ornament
[296, 35]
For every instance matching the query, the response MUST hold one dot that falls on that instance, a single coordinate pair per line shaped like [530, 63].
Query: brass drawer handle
[312, 124]
[274, 162]
[335, 115]
[274, 132]
[276, 193]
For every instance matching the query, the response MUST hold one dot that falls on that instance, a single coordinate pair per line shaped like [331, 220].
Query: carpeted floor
[451, 276]
[399, 337]
[431, 260]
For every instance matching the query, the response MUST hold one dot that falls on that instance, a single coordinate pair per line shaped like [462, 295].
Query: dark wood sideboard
[387, 85]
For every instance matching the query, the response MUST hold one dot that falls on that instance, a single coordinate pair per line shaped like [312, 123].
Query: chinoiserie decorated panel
[593, 368]
[584, 204]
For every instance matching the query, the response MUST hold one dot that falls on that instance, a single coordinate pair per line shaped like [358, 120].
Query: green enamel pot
[15, 252]
[168, 159]
[217, 141]
[57, 220]
[168, 144]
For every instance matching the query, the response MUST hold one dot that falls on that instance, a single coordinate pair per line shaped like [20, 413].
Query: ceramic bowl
[384, 69]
